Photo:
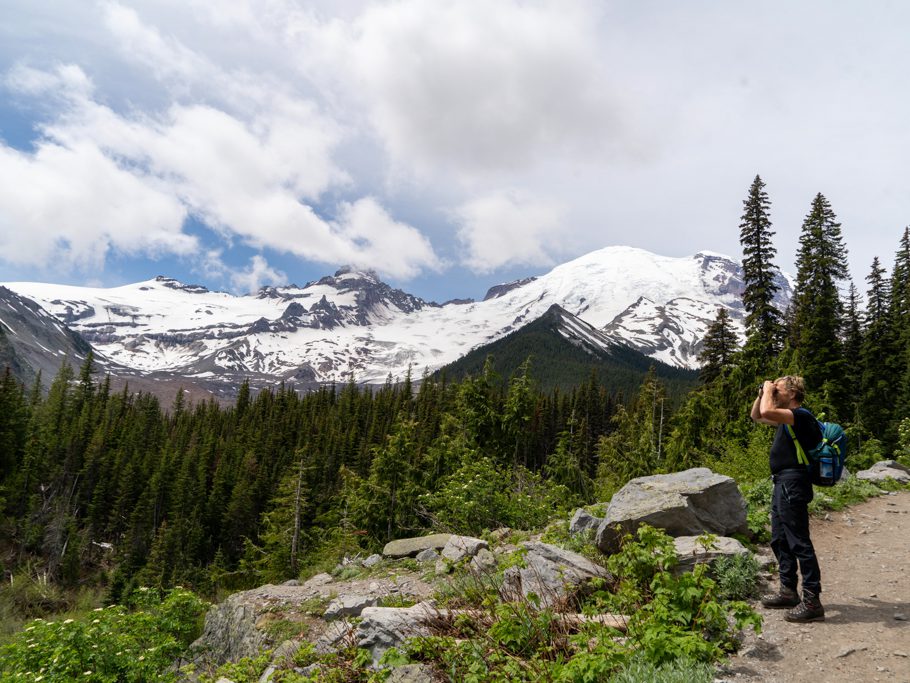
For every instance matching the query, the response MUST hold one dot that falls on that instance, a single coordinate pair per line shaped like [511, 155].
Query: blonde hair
[796, 386]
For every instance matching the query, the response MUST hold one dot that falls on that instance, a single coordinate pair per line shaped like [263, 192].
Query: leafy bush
[736, 576]
[847, 492]
[111, 644]
[758, 499]
[640, 670]
[479, 495]
[871, 452]
[672, 617]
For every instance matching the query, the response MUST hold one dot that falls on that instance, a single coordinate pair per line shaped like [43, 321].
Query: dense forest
[113, 489]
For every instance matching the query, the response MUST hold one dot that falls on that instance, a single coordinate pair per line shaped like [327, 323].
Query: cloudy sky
[447, 145]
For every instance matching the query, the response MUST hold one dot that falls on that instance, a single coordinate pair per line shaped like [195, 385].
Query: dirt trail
[864, 553]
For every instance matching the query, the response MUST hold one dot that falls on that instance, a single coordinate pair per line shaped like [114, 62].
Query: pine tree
[718, 347]
[764, 323]
[900, 321]
[818, 317]
[853, 344]
[878, 384]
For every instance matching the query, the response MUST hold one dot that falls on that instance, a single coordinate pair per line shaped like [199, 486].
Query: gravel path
[864, 553]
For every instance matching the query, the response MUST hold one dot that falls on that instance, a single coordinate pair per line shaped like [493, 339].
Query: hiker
[779, 403]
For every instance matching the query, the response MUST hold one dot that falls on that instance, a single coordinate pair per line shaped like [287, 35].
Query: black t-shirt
[783, 450]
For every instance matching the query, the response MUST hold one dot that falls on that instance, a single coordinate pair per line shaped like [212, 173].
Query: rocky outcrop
[686, 503]
[459, 547]
[384, 627]
[583, 520]
[349, 606]
[690, 551]
[886, 469]
[408, 547]
[550, 573]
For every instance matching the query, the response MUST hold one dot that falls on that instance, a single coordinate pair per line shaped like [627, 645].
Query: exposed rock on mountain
[352, 324]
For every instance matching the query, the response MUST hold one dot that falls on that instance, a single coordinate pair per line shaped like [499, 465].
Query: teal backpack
[825, 461]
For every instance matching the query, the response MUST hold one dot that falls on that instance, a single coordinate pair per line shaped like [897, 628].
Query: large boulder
[551, 573]
[349, 606]
[583, 520]
[886, 469]
[686, 503]
[382, 628]
[460, 547]
[689, 551]
[408, 547]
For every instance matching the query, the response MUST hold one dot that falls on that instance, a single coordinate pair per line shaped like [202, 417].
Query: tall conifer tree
[819, 312]
[878, 379]
[764, 326]
[718, 348]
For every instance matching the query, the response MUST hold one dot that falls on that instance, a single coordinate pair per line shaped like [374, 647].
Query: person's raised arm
[756, 410]
[771, 414]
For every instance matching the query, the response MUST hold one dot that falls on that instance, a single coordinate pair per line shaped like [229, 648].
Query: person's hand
[768, 386]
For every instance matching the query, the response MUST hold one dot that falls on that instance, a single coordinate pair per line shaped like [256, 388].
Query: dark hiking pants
[790, 531]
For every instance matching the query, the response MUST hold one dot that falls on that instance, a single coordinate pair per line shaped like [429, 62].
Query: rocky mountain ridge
[354, 325]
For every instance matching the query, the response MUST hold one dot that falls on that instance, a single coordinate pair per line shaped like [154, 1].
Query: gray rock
[230, 632]
[349, 606]
[291, 582]
[407, 547]
[411, 673]
[372, 560]
[483, 561]
[224, 680]
[427, 555]
[329, 641]
[583, 520]
[689, 552]
[384, 627]
[510, 590]
[886, 469]
[317, 581]
[499, 534]
[686, 503]
[443, 567]
[551, 573]
[460, 547]
[268, 673]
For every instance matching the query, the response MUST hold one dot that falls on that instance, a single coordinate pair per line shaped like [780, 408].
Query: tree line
[113, 487]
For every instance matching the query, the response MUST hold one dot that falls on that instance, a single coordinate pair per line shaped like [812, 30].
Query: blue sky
[447, 145]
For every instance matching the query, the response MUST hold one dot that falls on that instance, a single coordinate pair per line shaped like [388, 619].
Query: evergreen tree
[635, 447]
[853, 344]
[878, 384]
[900, 321]
[818, 317]
[719, 347]
[764, 325]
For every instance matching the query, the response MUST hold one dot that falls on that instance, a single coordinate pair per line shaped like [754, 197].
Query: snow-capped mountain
[353, 324]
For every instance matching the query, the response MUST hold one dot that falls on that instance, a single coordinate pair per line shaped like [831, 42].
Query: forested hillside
[113, 490]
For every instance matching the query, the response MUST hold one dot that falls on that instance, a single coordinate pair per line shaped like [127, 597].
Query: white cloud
[68, 206]
[380, 242]
[256, 274]
[509, 228]
[472, 86]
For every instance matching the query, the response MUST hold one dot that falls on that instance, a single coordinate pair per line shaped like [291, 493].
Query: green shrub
[847, 492]
[758, 500]
[871, 452]
[480, 496]
[640, 670]
[736, 576]
[110, 644]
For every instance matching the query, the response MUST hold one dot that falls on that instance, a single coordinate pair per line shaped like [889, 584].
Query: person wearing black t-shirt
[779, 403]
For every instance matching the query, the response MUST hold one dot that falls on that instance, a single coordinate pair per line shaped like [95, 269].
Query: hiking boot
[810, 609]
[783, 599]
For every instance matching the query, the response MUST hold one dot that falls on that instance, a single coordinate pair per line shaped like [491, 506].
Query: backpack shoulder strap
[800, 453]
